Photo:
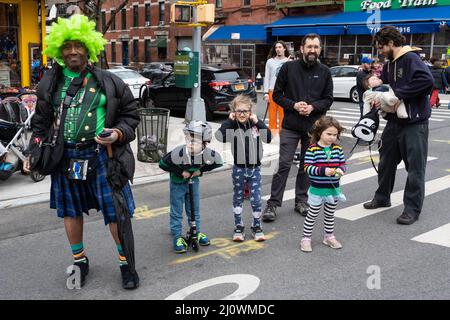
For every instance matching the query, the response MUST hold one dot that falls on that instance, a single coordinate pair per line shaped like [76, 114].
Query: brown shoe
[373, 204]
[407, 218]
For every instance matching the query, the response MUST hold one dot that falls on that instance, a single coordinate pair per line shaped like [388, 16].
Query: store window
[421, 39]
[442, 38]
[364, 40]
[348, 40]
[9, 51]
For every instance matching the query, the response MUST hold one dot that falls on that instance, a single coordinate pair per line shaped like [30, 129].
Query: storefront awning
[256, 32]
[424, 20]
[405, 28]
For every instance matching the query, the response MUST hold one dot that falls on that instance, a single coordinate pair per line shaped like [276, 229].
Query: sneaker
[269, 214]
[84, 271]
[130, 280]
[239, 234]
[332, 242]
[258, 233]
[203, 239]
[302, 208]
[305, 245]
[180, 245]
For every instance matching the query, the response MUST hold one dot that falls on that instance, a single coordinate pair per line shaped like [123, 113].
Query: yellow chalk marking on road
[443, 141]
[228, 249]
[145, 213]
[364, 160]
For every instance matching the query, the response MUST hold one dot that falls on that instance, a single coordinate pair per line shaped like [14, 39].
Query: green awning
[159, 43]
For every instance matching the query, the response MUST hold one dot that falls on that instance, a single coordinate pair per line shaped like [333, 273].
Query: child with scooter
[186, 163]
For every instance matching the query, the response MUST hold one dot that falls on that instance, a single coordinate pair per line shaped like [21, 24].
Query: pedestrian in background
[364, 71]
[440, 82]
[304, 89]
[278, 55]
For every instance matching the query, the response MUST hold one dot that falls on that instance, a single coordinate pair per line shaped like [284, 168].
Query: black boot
[130, 280]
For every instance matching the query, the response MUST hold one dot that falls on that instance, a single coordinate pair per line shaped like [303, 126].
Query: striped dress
[317, 159]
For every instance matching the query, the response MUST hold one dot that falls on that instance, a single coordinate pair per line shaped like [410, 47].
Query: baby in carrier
[376, 90]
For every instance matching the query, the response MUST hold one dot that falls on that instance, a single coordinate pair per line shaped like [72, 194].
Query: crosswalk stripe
[439, 236]
[348, 178]
[357, 211]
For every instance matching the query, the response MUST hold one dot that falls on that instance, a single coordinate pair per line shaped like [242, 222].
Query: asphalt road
[379, 259]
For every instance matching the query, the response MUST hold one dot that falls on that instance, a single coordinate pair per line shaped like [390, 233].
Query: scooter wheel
[36, 176]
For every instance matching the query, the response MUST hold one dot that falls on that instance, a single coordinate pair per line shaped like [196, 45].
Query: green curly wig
[77, 27]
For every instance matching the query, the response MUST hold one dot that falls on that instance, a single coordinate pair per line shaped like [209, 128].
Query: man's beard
[310, 59]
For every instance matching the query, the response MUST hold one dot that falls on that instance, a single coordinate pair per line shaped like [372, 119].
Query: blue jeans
[253, 178]
[179, 196]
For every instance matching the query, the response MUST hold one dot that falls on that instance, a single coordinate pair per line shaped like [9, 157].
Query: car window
[170, 80]
[334, 71]
[127, 74]
[230, 75]
[348, 72]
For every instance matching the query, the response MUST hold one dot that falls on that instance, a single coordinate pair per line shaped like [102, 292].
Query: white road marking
[247, 284]
[439, 236]
[357, 211]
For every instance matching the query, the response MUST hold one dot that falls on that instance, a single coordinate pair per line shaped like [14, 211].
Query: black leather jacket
[121, 111]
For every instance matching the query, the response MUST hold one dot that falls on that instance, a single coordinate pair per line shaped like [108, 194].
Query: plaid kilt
[72, 198]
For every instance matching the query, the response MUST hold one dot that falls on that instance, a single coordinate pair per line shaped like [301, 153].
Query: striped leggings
[313, 212]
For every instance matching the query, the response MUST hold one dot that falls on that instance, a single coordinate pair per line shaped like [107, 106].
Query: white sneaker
[332, 242]
[239, 235]
[305, 245]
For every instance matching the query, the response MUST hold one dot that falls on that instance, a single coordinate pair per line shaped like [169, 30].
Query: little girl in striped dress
[325, 164]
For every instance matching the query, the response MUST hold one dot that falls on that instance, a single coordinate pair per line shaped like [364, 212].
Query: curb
[141, 181]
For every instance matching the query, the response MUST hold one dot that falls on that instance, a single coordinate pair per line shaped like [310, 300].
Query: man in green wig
[102, 114]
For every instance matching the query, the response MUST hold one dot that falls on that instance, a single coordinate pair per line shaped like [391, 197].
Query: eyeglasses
[243, 112]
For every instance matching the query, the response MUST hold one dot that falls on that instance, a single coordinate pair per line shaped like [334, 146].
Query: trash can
[152, 134]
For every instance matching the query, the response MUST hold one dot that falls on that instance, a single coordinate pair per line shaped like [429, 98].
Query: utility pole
[195, 14]
[195, 108]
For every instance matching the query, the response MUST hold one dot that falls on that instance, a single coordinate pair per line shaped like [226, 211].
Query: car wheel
[354, 96]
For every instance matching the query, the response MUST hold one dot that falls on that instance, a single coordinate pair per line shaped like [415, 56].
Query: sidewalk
[20, 190]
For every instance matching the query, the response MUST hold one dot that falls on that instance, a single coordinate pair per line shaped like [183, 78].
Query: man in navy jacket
[403, 139]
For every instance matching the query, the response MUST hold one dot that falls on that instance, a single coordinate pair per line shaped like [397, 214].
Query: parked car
[157, 70]
[133, 79]
[220, 84]
[344, 82]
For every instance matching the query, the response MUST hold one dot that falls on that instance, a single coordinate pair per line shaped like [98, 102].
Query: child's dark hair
[323, 124]
[386, 34]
